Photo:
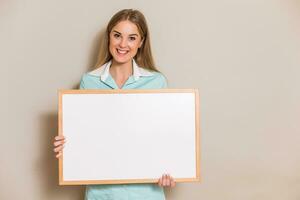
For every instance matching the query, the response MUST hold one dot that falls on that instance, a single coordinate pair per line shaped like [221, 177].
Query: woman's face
[124, 41]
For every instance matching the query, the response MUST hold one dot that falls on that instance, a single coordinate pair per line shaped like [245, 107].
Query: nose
[123, 43]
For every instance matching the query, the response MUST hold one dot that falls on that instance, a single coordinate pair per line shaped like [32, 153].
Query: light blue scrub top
[141, 79]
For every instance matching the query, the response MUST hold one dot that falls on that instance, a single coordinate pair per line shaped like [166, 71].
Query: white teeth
[121, 51]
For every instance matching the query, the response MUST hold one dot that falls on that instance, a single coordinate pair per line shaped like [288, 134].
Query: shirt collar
[103, 71]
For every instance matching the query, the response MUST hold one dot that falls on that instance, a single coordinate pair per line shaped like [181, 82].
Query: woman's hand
[59, 142]
[166, 181]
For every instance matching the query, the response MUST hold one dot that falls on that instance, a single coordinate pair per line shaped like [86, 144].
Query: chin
[122, 60]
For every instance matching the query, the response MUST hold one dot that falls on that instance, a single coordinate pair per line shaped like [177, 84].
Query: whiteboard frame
[134, 91]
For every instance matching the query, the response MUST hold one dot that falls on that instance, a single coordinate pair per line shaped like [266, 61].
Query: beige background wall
[242, 55]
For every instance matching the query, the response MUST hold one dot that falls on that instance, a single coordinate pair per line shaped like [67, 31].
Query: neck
[120, 72]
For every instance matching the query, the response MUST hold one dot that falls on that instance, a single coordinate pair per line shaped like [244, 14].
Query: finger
[168, 182]
[64, 140]
[59, 148]
[59, 137]
[59, 154]
[164, 180]
[60, 142]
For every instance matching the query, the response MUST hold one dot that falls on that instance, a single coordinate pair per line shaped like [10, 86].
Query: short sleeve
[163, 81]
[81, 85]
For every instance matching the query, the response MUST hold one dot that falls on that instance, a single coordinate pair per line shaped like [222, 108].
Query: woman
[127, 64]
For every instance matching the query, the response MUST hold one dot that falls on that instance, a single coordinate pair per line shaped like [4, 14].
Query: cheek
[112, 45]
[112, 42]
[110, 48]
[134, 46]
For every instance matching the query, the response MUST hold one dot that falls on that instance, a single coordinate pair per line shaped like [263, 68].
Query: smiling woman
[127, 64]
[139, 27]
[125, 41]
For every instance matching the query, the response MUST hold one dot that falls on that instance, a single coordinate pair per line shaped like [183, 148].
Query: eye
[116, 35]
[132, 38]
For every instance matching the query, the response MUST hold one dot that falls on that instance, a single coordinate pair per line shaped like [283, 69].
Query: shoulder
[149, 73]
[96, 72]
[159, 76]
[87, 77]
[157, 79]
[89, 80]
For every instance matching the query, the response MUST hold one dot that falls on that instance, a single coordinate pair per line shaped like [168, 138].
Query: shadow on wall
[170, 193]
[49, 177]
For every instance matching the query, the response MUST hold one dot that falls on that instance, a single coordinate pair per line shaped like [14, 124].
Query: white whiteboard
[128, 136]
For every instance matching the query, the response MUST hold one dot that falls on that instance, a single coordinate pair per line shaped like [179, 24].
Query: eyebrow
[134, 34]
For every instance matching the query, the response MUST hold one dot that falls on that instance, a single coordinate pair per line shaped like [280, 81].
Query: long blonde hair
[144, 55]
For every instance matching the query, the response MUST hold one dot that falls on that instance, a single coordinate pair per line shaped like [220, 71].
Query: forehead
[126, 27]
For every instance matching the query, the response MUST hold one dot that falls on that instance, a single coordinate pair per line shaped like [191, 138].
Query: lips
[122, 52]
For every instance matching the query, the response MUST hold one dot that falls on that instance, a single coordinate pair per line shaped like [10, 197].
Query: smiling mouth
[122, 52]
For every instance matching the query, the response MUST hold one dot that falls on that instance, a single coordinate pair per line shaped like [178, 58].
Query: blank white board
[129, 136]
